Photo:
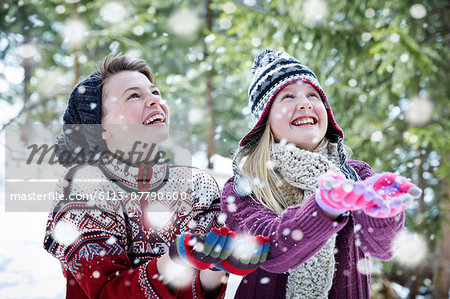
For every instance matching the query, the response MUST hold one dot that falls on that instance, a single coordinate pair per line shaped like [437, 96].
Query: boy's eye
[133, 96]
[156, 92]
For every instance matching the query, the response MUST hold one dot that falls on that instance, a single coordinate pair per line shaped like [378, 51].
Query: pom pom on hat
[263, 59]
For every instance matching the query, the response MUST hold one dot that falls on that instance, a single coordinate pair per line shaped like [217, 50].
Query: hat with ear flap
[272, 71]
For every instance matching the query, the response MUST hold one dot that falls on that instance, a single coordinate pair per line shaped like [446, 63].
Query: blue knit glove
[203, 252]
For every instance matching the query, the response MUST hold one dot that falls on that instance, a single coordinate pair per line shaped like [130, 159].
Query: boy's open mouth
[154, 119]
[302, 121]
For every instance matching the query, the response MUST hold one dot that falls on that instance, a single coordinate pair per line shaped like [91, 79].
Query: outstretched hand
[383, 195]
[247, 255]
[203, 251]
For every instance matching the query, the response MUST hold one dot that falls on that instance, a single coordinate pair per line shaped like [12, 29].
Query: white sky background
[26, 269]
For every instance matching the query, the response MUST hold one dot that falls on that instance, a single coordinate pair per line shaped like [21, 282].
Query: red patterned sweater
[108, 233]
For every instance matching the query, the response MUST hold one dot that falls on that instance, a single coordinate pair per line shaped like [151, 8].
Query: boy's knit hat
[85, 102]
[274, 70]
[82, 123]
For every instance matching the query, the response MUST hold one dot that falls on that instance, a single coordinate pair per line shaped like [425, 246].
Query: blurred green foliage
[384, 66]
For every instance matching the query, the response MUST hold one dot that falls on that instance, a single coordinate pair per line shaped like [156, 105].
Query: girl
[127, 215]
[293, 184]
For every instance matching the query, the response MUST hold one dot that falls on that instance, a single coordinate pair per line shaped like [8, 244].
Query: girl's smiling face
[298, 115]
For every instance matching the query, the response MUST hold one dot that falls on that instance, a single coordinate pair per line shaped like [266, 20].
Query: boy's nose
[151, 101]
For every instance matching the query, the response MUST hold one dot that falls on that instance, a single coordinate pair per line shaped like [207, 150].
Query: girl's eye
[287, 96]
[156, 92]
[133, 96]
[313, 94]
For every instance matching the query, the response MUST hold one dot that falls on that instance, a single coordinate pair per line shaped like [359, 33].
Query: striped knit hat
[274, 70]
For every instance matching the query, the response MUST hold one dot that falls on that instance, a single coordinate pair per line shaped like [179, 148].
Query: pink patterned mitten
[337, 194]
[383, 195]
[395, 192]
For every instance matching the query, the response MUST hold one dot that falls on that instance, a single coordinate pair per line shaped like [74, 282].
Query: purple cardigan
[358, 237]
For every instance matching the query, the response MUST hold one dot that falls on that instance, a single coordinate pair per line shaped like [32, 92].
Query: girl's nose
[304, 104]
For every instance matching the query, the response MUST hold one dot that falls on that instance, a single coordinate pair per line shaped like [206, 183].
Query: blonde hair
[254, 163]
[266, 184]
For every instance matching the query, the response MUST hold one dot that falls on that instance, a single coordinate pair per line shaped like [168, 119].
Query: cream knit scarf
[301, 169]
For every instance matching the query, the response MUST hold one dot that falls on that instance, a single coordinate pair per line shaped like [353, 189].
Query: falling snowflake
[404, 57]
[96, 274]
[60, 9]
[418, 11]
[225, 23]
[395, 37]
[243, 185]
[256, 42]
[270, 164]
[364, 266]
[352, 82]
[232, 208]
[111, 240]
[222, 218]
[264, 280]
[75, 32]
[138, 30]
[65, 233]
[27, 50]
[365, 37]
[113, 12]
[195, 116]
[192, 224]
[210, 38]
[410, 248]
[297, 235]
[376, 136]
[158, 215]
[184, 22]
[308, 46]
[258, 183]
[314, 11]
[419, 111]
[283, 141]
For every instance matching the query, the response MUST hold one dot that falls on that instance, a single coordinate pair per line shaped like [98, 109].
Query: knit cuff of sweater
[367, 221]
[298, 167]
[320, 224]
[154, 279]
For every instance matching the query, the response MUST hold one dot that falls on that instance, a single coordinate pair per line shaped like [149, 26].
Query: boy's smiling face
[133, 110]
